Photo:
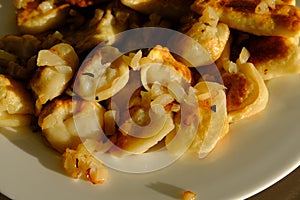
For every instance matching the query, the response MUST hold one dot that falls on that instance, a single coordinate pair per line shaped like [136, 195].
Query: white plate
[255, 154]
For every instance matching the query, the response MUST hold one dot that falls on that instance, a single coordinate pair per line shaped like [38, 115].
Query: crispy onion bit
[81, 163]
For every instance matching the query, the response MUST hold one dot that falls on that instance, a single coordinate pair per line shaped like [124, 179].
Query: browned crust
[237, 92]
[262, 48]
[246, 6]
[283, 20]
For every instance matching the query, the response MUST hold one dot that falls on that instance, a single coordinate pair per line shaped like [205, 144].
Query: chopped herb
[89, 74]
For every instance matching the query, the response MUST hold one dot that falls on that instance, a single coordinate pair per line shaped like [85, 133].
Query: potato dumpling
[211, 34]
[276, 20]
[161, 66]
[273, 56]
[201, 126]
[56, 68]
[42, 16]
[102, 75]
[65, 122]
[16, 103]
[246, 91]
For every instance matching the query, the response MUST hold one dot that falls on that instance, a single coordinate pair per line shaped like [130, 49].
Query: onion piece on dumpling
[162, 67]
[56, 68]
[211, 117]
[211, 35]
[149, 121]
[247, 93]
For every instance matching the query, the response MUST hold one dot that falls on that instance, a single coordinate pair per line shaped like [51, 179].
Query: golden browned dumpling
[16, 103]
[211, 34]
[255, 16]
[205, 124]
[65, 122]
[161, 66]
[274, 56]
[38, 17]
[246, 92]
[56, 68]
[101, 76]
[165, 83]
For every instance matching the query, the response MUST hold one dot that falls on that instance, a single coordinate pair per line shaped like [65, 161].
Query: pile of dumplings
[148, 97]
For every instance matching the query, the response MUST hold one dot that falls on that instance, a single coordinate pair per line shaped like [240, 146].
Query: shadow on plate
[33, 144]
[167, 189]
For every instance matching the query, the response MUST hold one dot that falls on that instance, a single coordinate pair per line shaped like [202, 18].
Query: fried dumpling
[102, 75]
[56, 68]
[273, 56]
[246, 91]
[186, 122]
[162, 67]
[65, 122]
[213, 122]
[211, 34]
[164, 81]
[16, 103]
[252, 17]
[41, 16]
[149, 121]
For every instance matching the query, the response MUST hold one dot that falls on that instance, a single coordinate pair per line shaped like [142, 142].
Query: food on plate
[57, 66]
[189, 195]
[102, 75]
[213, 124]
[122, 102]
[255, 16]
[104, 24]
[84, 3]
[269, 54]
[247, 93]
[38, 17]
[80, 163]
[211, 34]
[160, 59]
[64, 122]
[16, 103]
